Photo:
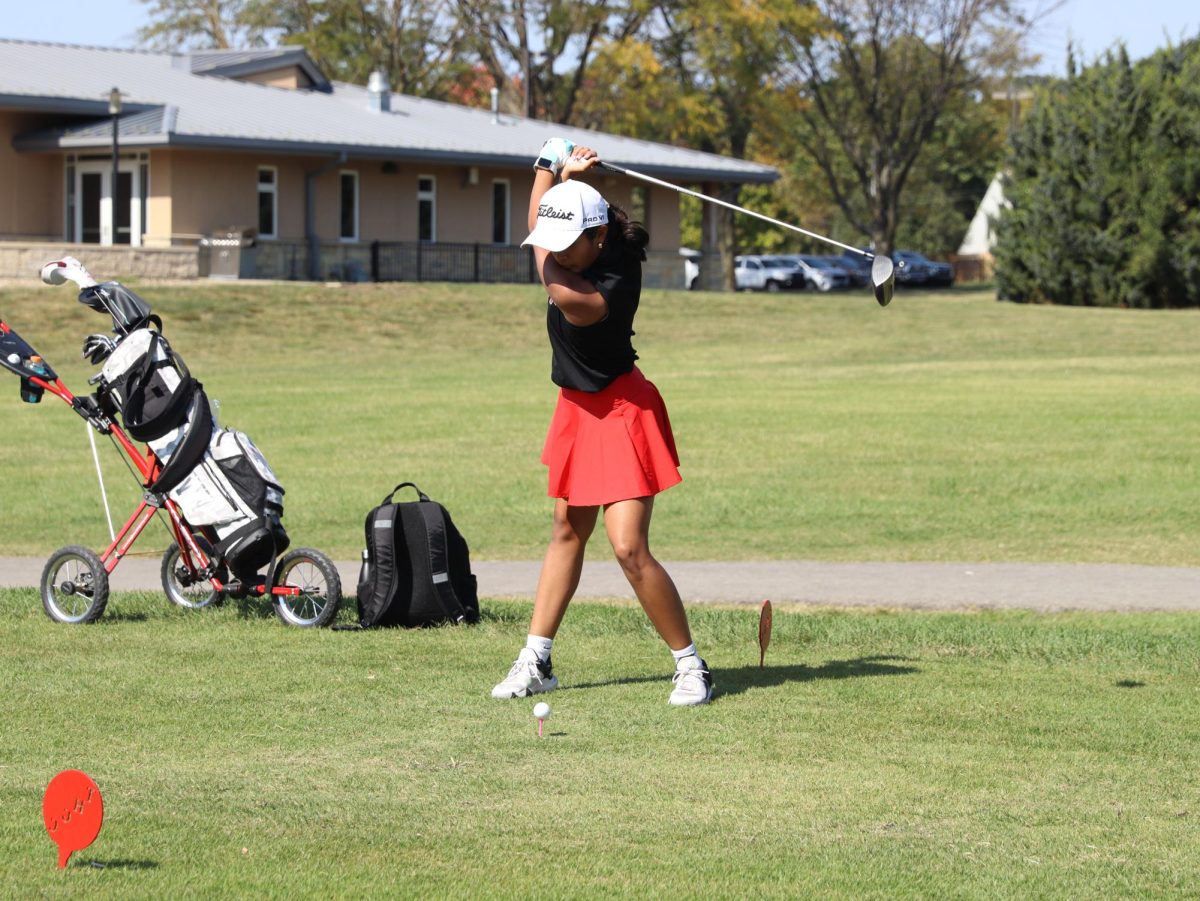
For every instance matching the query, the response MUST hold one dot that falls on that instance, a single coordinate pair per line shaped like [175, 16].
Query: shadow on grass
[736, 681]
[118, 864]
[504, 616]
[117, 616]
[251, 607]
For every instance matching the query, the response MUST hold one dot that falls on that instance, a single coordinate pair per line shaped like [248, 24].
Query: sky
[1093, 25]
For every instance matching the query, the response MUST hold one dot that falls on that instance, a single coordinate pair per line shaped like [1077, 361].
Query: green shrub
[1104, 184]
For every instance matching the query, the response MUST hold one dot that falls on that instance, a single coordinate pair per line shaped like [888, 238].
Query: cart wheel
[320, 588]
[74, 586]
[182, 586]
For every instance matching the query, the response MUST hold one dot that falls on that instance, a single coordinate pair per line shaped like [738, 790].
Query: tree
[416, 43]
[723, 60]
[945, 186]
[1104, 188]
[879, 76]
[199, 24]
[547, 47]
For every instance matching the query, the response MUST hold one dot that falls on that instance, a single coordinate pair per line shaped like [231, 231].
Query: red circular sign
[73, 812]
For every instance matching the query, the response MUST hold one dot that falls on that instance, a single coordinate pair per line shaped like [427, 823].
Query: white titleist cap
[564, 212]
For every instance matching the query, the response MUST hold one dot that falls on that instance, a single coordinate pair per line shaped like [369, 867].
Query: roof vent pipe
[495, 106]
[379, 95]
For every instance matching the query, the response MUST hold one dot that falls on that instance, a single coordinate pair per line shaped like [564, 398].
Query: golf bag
[416, 568]
[220, 480]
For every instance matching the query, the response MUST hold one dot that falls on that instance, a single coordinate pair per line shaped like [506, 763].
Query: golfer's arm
[578, 298]
[543, 181]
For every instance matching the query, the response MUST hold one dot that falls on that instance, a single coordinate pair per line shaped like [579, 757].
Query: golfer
[610, 446]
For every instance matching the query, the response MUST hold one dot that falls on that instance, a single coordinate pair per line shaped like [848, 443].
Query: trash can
[228, 254]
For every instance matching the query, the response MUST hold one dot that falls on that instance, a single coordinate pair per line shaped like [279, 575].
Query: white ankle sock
[689, 651]
[540, 646]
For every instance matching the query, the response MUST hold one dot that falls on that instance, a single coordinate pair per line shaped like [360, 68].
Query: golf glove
[97, 348]
[553, 154]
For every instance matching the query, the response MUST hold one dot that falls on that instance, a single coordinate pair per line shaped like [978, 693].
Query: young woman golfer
[610, 446]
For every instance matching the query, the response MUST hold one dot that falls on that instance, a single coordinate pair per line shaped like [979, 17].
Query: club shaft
[737, 209]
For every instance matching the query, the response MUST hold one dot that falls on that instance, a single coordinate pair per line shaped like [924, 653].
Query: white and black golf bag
[220, 480]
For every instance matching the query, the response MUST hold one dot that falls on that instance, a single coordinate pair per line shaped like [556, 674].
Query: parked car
[691, 266]
[800, 279]
[821, 273]
[917, 269]
[766, 273]
[858, 268]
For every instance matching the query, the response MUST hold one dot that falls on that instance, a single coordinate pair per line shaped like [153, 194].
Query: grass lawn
[945, 427]
[878, 755]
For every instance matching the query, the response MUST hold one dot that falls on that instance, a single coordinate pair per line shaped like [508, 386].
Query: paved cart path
[935, 586]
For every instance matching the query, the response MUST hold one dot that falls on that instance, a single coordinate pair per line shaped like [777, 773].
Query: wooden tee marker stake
[73, 812]
[764, 631]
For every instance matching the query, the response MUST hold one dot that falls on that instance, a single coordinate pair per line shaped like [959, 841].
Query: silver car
[822, 273]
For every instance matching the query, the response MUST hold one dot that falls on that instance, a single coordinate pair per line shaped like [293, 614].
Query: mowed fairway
[878, 754]
[944, 427]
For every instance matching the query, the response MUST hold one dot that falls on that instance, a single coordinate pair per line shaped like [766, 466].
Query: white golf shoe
[528, 676]
[693, 683]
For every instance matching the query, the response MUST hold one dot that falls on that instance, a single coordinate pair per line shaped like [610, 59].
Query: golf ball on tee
[541, 710]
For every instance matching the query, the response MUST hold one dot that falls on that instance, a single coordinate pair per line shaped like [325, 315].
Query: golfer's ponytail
[632, 234]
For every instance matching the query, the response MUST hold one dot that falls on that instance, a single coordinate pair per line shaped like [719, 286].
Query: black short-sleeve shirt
[588, 358]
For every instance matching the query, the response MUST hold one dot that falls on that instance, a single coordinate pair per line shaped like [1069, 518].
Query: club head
[883, 277]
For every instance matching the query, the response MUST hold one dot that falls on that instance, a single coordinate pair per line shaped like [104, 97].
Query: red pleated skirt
[610, 446]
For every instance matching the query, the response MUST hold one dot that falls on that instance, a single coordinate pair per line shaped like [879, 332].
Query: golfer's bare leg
[628, 526]
[561, 567]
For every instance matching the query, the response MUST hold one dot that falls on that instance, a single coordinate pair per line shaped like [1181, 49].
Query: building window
[348, 218]
[426, 208]
[268, 201]
[500, 212]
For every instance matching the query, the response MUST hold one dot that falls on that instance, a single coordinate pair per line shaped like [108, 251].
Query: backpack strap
[381, 527]
[439, 558]
[175, 411]
[420, 494]
[191, 449]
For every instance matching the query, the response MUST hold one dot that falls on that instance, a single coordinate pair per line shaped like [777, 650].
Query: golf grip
[737, 209]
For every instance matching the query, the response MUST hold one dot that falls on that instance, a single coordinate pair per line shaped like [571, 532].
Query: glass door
[91, 198]
[93, 191]
[124, 224]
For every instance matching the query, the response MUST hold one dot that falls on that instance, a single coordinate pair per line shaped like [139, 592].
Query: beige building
[314, 179]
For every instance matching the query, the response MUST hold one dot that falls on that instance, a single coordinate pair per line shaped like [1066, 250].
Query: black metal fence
[445, 262]
[413, 261]
[407, 261]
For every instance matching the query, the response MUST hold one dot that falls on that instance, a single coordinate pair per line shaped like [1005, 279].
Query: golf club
[883, 271]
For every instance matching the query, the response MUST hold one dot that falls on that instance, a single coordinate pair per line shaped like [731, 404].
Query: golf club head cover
[98, 348]
[553, 154]
[58, 272]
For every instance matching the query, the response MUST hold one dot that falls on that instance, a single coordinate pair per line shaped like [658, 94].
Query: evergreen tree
[1105, 187]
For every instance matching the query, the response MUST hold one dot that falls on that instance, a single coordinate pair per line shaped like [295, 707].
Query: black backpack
[416, 569]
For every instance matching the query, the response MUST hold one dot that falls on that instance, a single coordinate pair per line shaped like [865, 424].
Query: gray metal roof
[168, 104]
[239, 63]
